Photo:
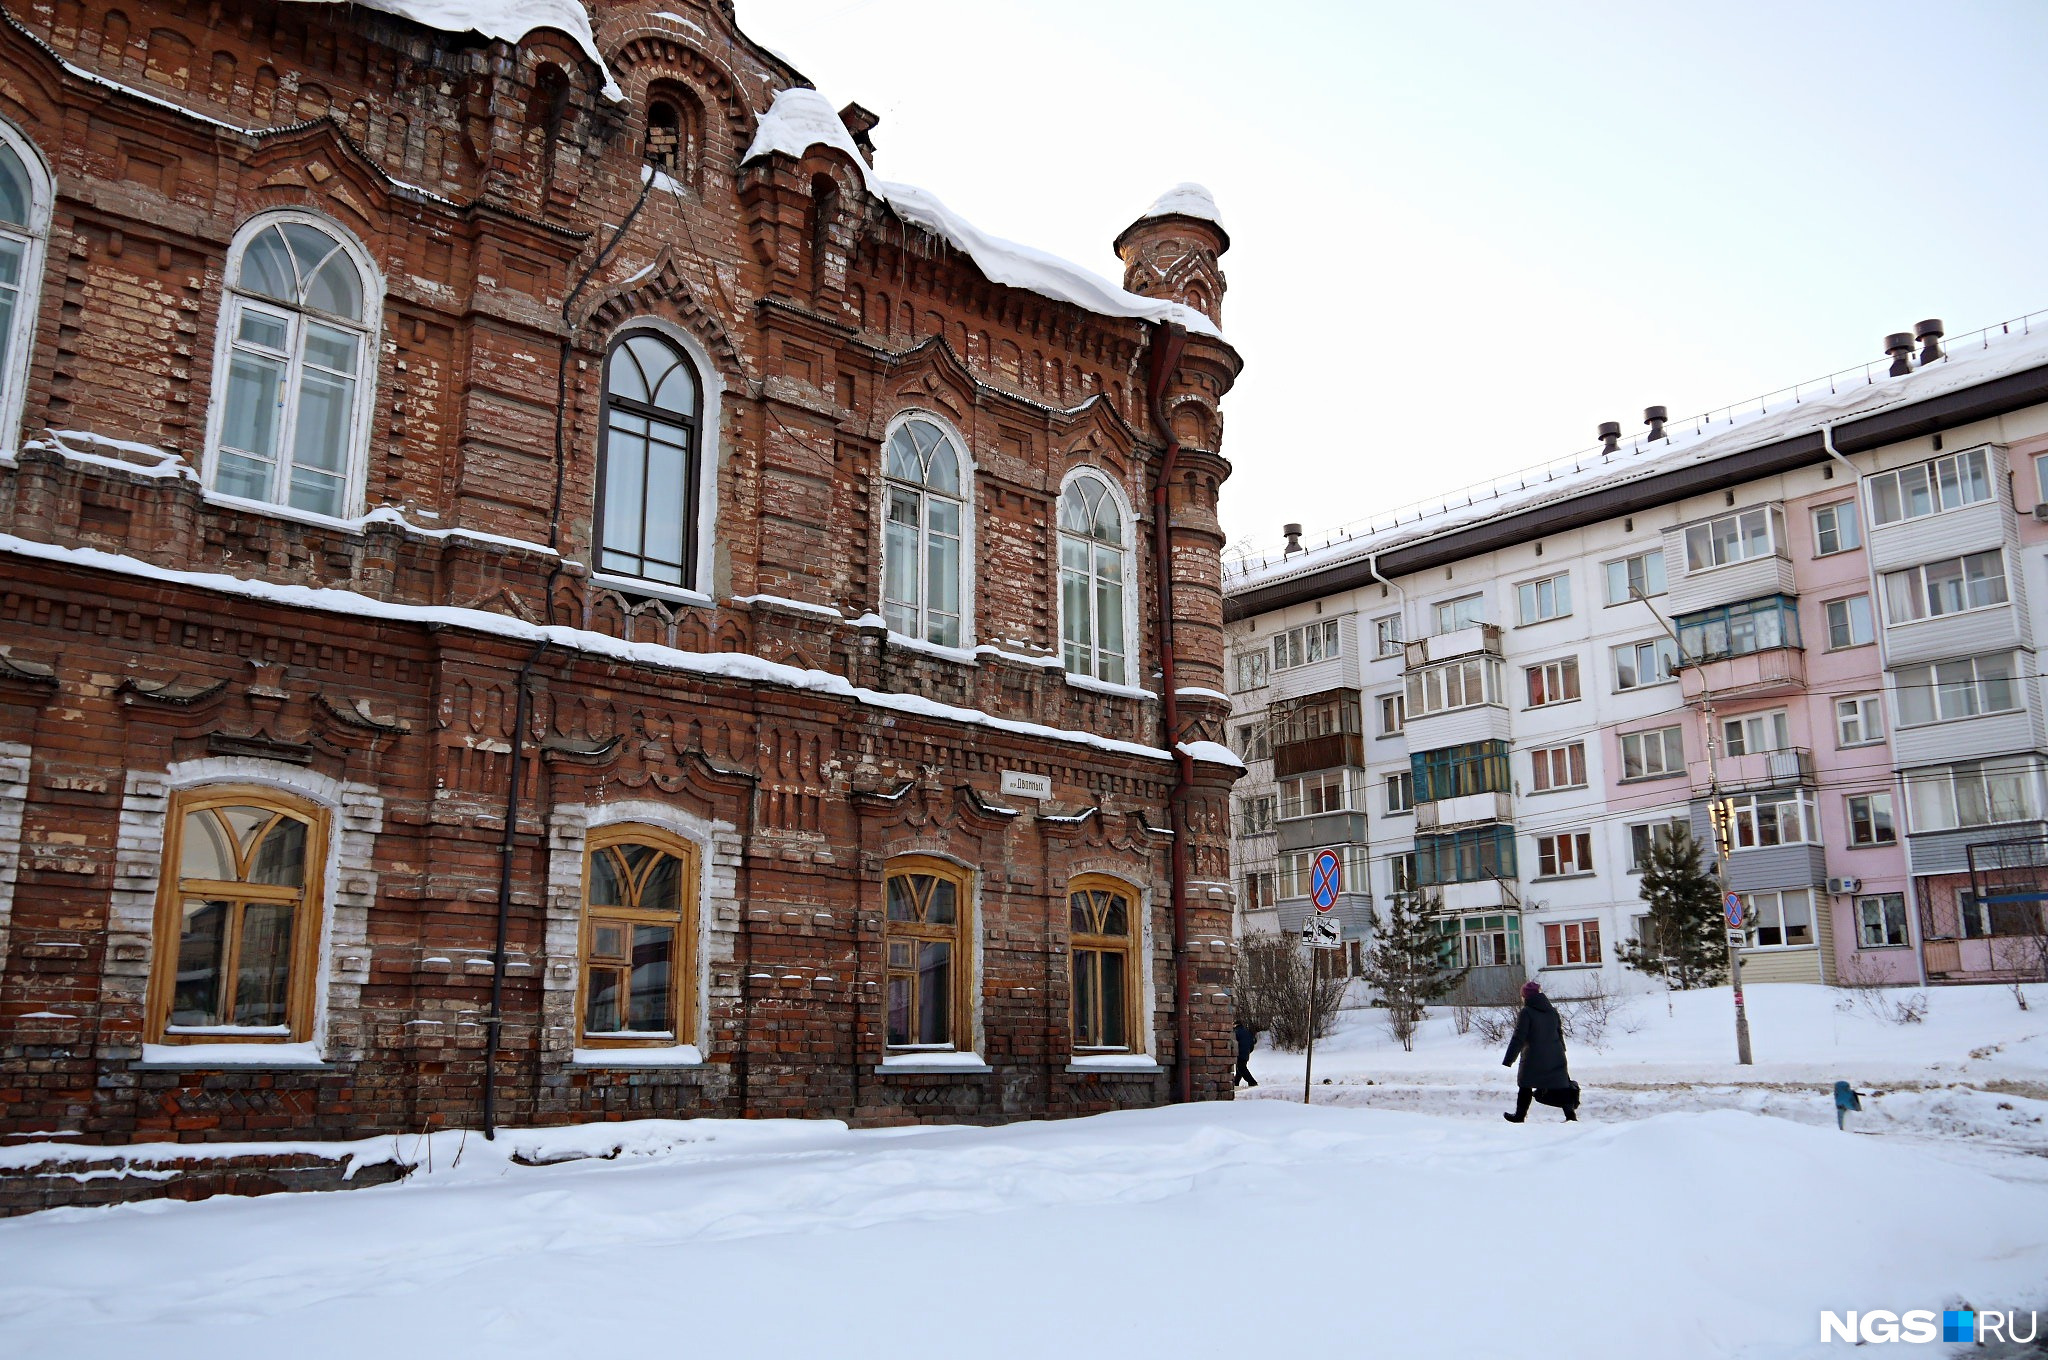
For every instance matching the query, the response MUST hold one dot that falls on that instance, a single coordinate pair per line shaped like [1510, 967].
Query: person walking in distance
[1247, 1040]
[1539, 1040]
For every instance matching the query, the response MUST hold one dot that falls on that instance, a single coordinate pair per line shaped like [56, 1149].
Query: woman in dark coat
[1247, 1040]
[1539, 1039]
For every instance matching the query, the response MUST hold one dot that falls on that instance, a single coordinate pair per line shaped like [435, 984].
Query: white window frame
[1386, 631]
[969, 474]
[1870, 815]
[1929, 478]
[1706, 548]
[1553, 673]
[1884, 903]
[1571, 938]
[1452, 616]
[17, 346]
[1565, 854]
[1843, 522]
[1943, 782]
[1670, 826]
[1766, 911]
[1866, 711]
[1400, 790]
[1253, 668]
[1845, 609]
[1546, 763]
[1478, 682]
[1306, 644]
[1662, 656]
[1755, 733]
[369, 333]
[1746, 818]
[1628, 575]
[1665, 740]
[1543, 599]
[1951, 696]
[1127, 592]
[1394, 706]
[710, 394]
[1907, 587]
[1314, 795]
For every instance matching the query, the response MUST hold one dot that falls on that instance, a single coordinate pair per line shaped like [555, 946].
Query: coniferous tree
[1685, 943]
[1409, 963]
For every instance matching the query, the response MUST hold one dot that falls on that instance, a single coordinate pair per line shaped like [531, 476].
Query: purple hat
[1531, 988]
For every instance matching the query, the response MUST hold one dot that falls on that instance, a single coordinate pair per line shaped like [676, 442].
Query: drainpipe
[1167, 343]
[1372, 569]
[494, 1023]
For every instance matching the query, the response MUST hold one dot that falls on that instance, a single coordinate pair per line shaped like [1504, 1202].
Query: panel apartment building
[1813, 612]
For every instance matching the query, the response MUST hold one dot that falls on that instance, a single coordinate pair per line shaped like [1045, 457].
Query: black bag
[1560, 1097]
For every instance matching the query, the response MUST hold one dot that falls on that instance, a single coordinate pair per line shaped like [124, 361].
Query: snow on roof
[1185, 200]
[510, 20]
[800, 119]
[1970, 360]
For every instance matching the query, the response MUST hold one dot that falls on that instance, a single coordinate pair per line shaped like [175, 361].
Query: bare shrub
[1862, 988]
[1586, 1019]
[1272, 992]
[1493, 1024]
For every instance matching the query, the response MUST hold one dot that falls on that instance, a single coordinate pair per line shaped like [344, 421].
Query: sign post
[1320, 931]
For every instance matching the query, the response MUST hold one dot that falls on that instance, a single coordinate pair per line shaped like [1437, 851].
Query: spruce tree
[1408, 962]
[1687, 946]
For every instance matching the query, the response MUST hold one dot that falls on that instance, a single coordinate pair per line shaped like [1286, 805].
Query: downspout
[1372, 569]
[1167, 343]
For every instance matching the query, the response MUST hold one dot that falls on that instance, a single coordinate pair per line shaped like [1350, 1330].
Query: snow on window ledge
[1079, 681]
[1135, 1063]
[634, 585]
[680, 1055]
[202, 1056]
[931, 1060]
[966, 656]
[1215, 752]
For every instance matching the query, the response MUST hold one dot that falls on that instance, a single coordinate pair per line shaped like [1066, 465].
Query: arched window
[24, 222]
[241, 898]
[296, 351]
[648, 469]
[664, 149]
[639, 908]
[1103, 925]
[1092, 571]
[928, 1006]
[921, 542]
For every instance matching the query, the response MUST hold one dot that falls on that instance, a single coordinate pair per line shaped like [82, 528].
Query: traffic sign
[1325, 881]
[1734, 911]
[1322, 932]
[1738, 939]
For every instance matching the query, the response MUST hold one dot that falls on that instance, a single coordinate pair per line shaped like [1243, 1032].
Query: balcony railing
[1757, 675]
[1786, 767]
[1479, 639]
[1465, 811]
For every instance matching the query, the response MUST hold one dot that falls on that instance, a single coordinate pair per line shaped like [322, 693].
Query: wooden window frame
[309, 932]
[957, 934]
[682, 968]
[1128, 945]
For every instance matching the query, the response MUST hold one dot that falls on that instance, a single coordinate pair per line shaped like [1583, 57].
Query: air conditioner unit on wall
[2041, 510]
[1842, 886]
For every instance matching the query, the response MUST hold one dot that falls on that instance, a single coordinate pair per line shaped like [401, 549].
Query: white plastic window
[1094, 564]
[922, 534]
[648, 470]
[24, 223]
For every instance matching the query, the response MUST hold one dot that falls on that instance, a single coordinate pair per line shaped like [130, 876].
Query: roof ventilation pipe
[1610, 435]
[1899, 344]
[1293, 532]
[1928, 333]
[1654, 417]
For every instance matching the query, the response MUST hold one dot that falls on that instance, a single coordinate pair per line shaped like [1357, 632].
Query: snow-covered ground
[1263, 1228]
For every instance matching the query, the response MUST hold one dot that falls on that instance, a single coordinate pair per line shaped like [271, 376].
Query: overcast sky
[1465, 234]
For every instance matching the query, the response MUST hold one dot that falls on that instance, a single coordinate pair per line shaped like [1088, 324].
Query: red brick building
[534, 586]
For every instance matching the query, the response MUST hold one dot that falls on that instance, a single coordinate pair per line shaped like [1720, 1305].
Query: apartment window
[1252, 743]
[1975, 793]
[1311, 795]
[1758, 820]
[1251, 669]
[1258, 890]
[1393, 714]
[243, 870]
[1571, 944]
[1728, 539]
[1553, 682]
[1103, 920]
[1642, 574]
[1564, 854]
[1464, 612]
[1948, 690]
[1305, 645]
[1881, 921]
[1637, 664]
[1558, 767]
[648, 465]
[638, 897]
[1298, 866]
[297, 347]
[1255, 814]
[1483, 941]
[1401, 792]
[922, 555]
[1459, 771]
[1947, 483]
[1987, 920]
[1402, 872]
[24, 225]
[1870, 820]
[1460, 684]
[1754, 732]
[1653, 754]
[1093, 555]
[1319, 717]
[2041, 476]
[928, 986]
[1849, 623]
[1475, 855]
[1949, 586]
[1541, 600]
[1836, 529]
[1739, 629]
[1779, 920]
[1387, 635]
[1643, 837]
[1859, 720]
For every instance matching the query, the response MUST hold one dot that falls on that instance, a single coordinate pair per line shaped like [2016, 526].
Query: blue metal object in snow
[1845, 1101]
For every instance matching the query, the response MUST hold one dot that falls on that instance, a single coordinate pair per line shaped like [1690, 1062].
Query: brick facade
[158, 637]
